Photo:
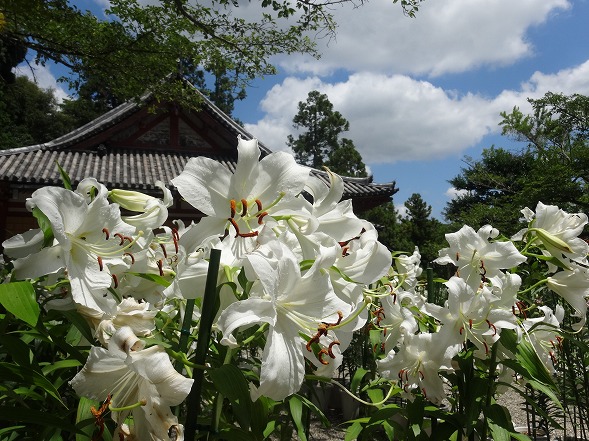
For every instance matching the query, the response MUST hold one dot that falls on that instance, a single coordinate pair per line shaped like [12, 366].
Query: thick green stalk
[491, 387]
[208, 312]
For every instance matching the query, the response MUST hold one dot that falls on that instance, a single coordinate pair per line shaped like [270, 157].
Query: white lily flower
[573, 286]
[396, 318]
[85, 244]
[21, 245]
[154, 211]
[130, 313]
[363, 260]
[238, 203]
[417, 364]
[292, 305]
[558, 231]
[140, 382]
[472, 315]
[335, 218]
[543, 333]
[478, 259]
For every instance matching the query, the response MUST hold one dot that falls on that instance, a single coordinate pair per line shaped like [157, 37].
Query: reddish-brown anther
[106, 233]
[121, 238]
[99, 417]
[320, 357]
[330, 348]
[100, 263]
[491, 325]
[261, 217]
[175, 238]
[243, 208]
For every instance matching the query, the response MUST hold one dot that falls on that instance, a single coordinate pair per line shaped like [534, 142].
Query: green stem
[534, 286]
[219, 398]
[491, 387]
[204, 334]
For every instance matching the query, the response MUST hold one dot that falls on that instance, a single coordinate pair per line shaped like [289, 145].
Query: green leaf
[65, 178]
[16, 348]
[76, 319]
[230, 382]
[499, 422]
[357, 379]
[10, 429]
[353, 431]
[45, 226]
[296, 412]
[61, 364]
[375, 395]
[28, 376]
[34, 417]
[19, 298]
[156, 278]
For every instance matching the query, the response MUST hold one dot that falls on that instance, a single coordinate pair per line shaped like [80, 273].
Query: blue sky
[421, 93]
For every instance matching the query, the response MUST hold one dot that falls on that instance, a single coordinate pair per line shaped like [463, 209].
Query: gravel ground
[510, 399]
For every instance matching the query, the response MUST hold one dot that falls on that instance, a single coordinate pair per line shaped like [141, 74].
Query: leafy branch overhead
[133, 45]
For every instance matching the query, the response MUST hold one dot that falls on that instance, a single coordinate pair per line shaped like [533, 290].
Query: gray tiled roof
[132, 168]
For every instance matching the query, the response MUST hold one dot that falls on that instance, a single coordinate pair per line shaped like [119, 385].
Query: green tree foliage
[29, 115]
[319, 144]
[421, 230]
[552, 168]
[134, 45]
[404, 232]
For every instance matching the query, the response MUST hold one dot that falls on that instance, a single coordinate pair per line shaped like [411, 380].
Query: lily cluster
[297, 267]
[294, 262]
[484, 297]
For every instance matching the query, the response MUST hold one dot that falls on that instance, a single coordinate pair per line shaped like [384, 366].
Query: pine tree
[320, 144]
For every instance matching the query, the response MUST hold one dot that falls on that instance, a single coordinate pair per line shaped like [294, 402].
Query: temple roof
[133, 146]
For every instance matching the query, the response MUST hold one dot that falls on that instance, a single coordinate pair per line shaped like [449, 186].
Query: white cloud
[446, 36]
[454, 193]
[402, 211]
[44, 78]
[395, 118]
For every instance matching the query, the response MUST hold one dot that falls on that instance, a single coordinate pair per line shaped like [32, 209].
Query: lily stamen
[131, 256]
[175, 238]
[320, 357]
[330, 348]
[160, 265]
[259, 204]
[163, 247]
[106, 233]
[491, 325]
[243, 208]
[121, 238]
[261, 216]
[115, 280]
[232, 204]
[100, 263]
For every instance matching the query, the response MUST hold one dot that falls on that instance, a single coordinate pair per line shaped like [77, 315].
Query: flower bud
[551, 240]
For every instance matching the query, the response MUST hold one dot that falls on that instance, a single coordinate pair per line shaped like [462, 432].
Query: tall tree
[30, 115]
[133, 45]
[319, 144]
[553, 168]
[421, 229]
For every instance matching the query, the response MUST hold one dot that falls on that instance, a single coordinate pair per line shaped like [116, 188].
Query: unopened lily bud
[130, 200]
[551, 240]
